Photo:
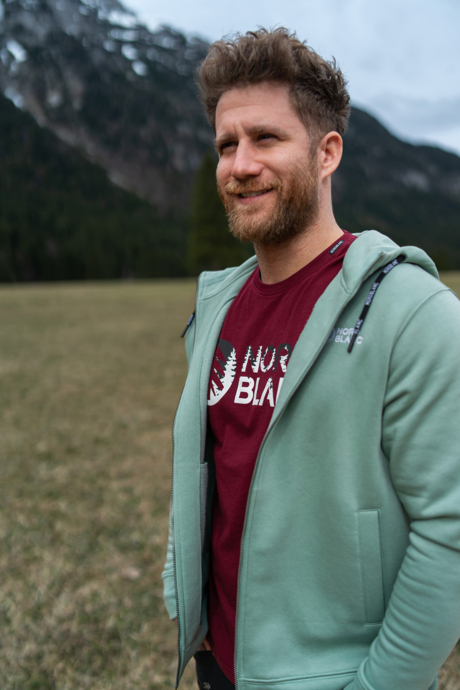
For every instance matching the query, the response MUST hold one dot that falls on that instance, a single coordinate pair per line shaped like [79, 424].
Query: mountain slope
[101, 81]
[124, 96]
[61, 218]
[411, 193]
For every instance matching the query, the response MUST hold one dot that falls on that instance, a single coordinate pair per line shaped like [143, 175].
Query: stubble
[296, 207]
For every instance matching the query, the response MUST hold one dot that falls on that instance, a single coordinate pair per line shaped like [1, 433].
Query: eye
[265, 136]
[226, 146]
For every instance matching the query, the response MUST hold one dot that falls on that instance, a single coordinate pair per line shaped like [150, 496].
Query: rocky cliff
[124, 97]
[103, 82]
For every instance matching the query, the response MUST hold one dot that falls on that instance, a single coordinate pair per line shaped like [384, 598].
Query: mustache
[234, 187]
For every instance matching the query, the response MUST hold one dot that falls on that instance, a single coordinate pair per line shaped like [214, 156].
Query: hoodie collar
[367, 254]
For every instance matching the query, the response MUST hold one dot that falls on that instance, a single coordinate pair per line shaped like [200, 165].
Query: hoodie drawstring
[389, 267]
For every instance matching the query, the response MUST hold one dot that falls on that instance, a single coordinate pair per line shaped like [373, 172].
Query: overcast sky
[401, 57]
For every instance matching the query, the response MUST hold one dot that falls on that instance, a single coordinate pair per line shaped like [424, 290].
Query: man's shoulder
[411, 281]
[211, 283]
[409, 289]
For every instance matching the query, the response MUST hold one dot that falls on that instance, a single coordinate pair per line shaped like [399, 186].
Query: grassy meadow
[90, 378]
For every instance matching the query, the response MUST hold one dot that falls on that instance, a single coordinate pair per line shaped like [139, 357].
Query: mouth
[249, 195]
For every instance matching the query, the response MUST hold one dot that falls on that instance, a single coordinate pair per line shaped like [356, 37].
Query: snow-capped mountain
[125, 96]
[102, 81]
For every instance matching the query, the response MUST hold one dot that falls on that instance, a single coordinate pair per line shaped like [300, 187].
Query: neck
[278, 262]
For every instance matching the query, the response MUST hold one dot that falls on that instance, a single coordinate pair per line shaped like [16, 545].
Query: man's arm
[169, 593]
[421, 439]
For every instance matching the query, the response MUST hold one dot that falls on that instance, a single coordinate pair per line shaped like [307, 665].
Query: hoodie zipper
[188, 324]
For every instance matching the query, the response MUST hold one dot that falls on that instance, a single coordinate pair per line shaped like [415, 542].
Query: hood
[372, 251]
[367, 254]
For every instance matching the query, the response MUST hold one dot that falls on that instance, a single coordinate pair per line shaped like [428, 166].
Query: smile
[251, 194]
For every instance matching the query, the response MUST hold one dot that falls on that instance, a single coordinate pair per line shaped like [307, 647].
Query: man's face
[267, 173]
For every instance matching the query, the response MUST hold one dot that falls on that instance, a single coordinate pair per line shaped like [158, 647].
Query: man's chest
[250, 362]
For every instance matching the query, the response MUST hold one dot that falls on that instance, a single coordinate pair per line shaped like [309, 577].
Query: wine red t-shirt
[260, 331]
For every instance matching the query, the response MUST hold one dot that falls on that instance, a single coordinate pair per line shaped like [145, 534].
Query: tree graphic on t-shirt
[225, 371]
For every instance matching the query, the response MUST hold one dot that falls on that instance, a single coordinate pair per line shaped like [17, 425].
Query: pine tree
[211, 245]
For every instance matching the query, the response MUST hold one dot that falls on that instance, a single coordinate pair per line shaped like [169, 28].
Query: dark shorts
[209, 674]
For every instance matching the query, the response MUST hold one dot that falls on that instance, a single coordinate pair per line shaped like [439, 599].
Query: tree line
[62, 219]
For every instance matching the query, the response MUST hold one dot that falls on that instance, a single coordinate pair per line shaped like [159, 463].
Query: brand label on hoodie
[343, 336]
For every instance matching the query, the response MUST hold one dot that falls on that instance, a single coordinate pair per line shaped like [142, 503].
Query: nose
[245, 163]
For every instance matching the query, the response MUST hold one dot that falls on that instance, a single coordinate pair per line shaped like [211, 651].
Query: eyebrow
[255, 129]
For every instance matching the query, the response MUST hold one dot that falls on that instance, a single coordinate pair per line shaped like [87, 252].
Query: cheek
[223, 173]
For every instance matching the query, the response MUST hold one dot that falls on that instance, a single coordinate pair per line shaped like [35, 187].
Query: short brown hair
[318, 87]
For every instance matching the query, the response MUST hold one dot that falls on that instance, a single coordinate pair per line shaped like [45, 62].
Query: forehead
[267, 103]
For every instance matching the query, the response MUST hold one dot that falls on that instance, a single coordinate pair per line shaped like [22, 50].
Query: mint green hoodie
[350, 559]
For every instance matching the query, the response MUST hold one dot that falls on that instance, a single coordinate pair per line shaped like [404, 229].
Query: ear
[330, 150]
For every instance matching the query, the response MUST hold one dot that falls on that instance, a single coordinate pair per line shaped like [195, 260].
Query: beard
[296, 207]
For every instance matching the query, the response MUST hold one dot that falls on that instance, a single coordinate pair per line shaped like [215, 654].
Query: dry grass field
[90, 377]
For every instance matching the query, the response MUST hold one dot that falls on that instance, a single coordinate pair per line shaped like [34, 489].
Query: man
[315, 524]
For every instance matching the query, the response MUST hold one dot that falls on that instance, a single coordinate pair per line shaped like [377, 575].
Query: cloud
[401, 57]
[418, 115]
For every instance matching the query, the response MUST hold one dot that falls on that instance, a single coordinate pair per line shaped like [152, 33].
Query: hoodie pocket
[371, 565]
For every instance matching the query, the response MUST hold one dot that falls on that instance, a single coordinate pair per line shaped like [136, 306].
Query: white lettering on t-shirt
[282, 359]
[245, 388]
[280, 383]
[255, 362]
[255, 400]
[268, 391]
[266, 367]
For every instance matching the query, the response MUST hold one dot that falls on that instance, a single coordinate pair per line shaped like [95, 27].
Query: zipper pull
[189, 323]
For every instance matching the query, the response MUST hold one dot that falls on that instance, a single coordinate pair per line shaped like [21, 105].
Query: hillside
[411, 193]
[61, 218]
[123, 97]
[100, 80]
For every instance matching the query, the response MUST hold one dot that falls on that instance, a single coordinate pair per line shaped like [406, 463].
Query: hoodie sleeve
[169, 593]
[421, 439]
